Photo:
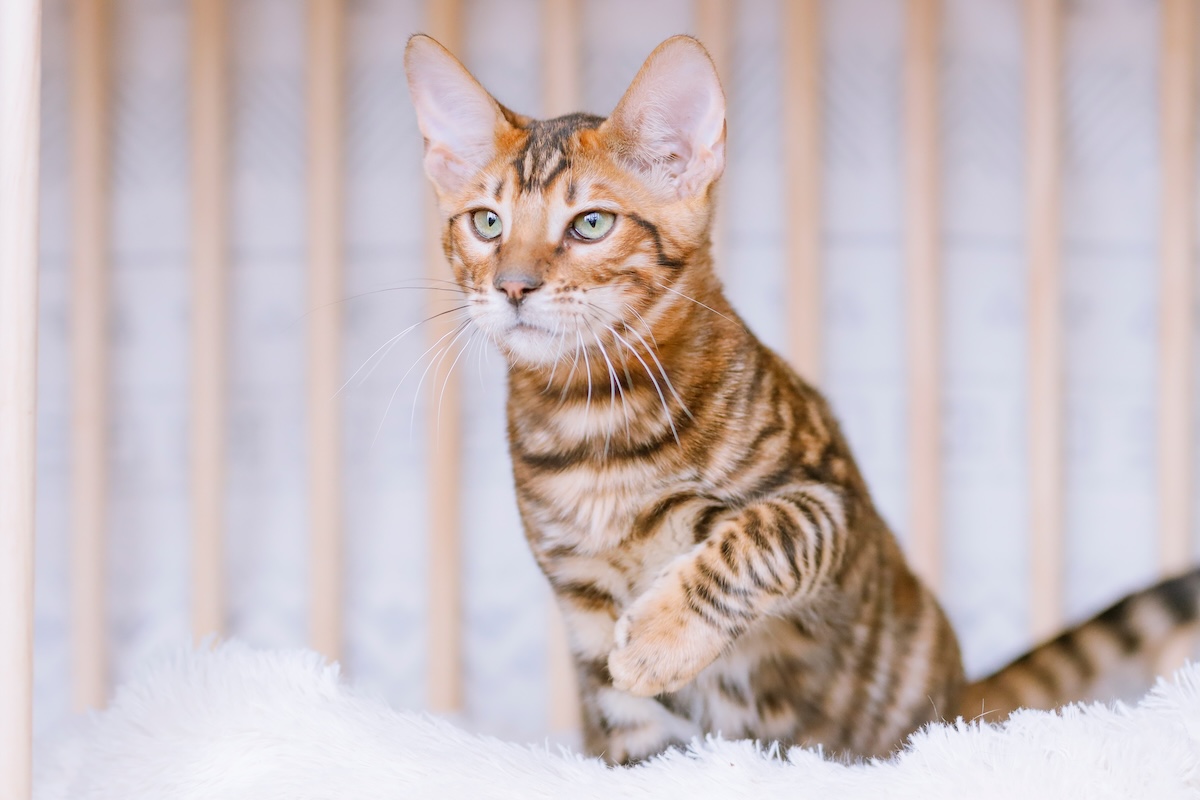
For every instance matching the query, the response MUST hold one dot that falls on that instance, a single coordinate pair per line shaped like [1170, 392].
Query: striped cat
[713, 547]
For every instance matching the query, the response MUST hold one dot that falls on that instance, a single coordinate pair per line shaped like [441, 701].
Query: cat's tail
[1114, 655]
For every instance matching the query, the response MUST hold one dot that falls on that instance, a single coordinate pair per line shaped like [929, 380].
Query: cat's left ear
[458, 118]
[670, 125]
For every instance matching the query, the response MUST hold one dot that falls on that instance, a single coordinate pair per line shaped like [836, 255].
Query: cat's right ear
[458, 118]
[670, 125]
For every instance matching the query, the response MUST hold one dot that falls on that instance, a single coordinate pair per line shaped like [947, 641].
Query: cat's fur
[713, 547]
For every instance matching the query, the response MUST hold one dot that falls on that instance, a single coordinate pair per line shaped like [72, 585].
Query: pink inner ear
[674, 117]
[447, 172]
[457, 117]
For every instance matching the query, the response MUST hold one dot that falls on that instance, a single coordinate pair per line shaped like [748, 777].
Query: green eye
[487, 223]
[593, 225]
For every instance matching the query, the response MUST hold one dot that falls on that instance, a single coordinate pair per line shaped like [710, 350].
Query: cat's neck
[641, 385]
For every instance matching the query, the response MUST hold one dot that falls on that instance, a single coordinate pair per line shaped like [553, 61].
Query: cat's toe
[635, 672]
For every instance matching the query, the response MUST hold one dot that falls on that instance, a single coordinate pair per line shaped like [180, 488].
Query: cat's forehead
[545, 152]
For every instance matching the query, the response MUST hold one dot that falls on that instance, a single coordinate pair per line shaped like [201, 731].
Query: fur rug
[234, 723]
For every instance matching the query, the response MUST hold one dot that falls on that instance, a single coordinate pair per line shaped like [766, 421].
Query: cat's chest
[585, 508]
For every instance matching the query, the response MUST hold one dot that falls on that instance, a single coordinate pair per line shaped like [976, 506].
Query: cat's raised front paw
[661, 645]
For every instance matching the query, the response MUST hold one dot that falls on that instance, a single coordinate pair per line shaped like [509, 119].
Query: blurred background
[120, 162]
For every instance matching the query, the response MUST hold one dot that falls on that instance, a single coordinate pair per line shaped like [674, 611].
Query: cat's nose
[517, 287]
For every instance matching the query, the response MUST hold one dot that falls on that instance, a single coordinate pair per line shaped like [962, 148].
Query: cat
[716, 554]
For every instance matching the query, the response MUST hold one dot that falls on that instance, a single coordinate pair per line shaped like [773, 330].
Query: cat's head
[563, 232]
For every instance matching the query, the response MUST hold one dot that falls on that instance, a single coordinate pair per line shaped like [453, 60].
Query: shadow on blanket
[233, 722]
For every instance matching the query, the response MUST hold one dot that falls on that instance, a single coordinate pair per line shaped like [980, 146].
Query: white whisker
[392, 398]
[662, 398]
[389, 344]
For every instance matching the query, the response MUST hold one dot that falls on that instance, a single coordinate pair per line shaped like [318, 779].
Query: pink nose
[517, 287]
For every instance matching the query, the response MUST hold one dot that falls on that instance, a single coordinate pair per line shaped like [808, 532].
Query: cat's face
[573, 233]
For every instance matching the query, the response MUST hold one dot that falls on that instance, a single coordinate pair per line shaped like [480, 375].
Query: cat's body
[714, 549]
[854, 661]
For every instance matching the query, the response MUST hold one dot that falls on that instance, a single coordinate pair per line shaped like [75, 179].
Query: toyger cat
[711, 542]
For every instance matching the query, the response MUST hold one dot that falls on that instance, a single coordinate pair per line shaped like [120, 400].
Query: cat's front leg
[625, 729]
[771, 554]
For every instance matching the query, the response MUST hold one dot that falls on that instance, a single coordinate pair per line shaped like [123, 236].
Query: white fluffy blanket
[236, 723]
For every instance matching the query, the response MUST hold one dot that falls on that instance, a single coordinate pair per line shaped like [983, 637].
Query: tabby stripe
[1179, 598]
[1116, 622]
[753, 450]
[707, 521]
[693, 604]
[719, 605]
[789, 532]
[732, 692]
[1068, 645]
[597, 670]
[652, 230]
[587, 595]
[752, 526]
[648, 522]
[729, 556]
[716, 578]
[809, 548]
[873, 686]
[826, 545]
[765, 558]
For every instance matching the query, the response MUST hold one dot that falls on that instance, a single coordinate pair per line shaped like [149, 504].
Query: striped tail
[1115, 655]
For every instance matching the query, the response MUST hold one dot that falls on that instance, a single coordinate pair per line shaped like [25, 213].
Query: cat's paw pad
[660, 647]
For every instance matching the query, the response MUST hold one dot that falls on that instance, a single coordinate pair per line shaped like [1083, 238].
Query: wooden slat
[561, 47]
[445, 680]
[20, 88]
[715, 29]
[802, 131]
[90, 153]
[922, 204]
[210, 237]
[561, 95]
[1177, 282]
[1044, 159]
[326, 105]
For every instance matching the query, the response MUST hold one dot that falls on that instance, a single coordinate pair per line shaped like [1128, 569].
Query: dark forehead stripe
[543, 156]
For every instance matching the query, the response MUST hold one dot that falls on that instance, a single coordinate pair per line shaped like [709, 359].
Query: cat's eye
[592, 225]
[487, 223]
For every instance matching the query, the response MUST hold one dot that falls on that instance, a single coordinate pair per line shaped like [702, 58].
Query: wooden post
[922, 253]
[1044, 120]
[90, 154]
[444, 23]
[802, 132]
[561, 46]
[560, 95]
[1177, 285]
[326, 107]
[715, 30]
[20, 93]
[210, 285]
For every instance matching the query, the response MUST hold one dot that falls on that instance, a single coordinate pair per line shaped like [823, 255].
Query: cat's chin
[529, 346]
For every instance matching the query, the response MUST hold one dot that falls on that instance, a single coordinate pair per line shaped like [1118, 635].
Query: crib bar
[91, 22]
[1177, 285]
[715, 24]
[561, 94]
[210, 241]
[443, 21]
[560, 54]
[326, 103]
[802, 126]
[1043, 47]
[20, 93]
[922, 237]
